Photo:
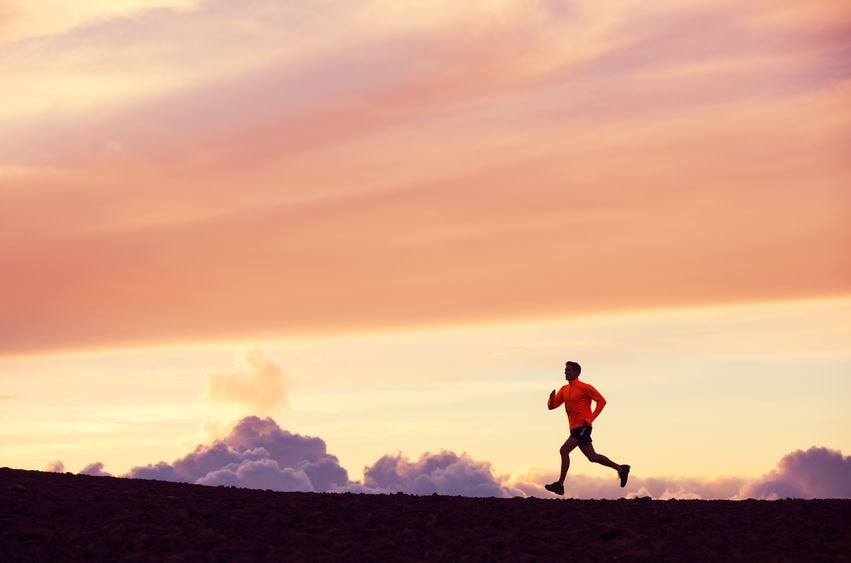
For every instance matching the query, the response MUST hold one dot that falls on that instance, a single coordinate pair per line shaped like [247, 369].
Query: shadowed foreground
[48, 516]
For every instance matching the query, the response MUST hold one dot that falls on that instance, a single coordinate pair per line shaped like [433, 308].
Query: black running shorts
[582, 434]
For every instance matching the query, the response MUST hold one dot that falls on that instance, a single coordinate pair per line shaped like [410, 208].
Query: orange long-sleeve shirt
[577, 397]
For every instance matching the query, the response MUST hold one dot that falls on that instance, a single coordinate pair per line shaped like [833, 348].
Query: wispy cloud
[172, 177]
[33, 19]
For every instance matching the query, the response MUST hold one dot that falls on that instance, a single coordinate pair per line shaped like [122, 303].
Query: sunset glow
[388, 224]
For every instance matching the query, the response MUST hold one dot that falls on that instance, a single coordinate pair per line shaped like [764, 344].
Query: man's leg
[623, 470]
[588, 450]
[565, 450]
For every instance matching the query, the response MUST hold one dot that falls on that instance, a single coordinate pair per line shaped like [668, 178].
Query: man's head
[572, 370]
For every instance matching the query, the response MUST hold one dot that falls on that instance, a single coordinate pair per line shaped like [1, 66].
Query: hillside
[50, 516]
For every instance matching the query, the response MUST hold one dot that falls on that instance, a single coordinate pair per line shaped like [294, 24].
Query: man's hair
[576, 367]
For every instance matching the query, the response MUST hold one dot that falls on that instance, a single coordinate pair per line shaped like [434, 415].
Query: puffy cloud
[56, 467]
[95, 469]
[257, 454]
[530, 482]
[161, 471]
[261, 474]
[815, 473]
[261, 388]
[444, 473]
[666, 488]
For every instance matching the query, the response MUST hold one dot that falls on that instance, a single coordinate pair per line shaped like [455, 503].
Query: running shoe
[623, 474]
[556, 487]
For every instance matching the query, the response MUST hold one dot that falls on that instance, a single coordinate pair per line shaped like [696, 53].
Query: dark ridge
[66, 517]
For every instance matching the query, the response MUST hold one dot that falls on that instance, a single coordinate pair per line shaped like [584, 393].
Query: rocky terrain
[65, 517]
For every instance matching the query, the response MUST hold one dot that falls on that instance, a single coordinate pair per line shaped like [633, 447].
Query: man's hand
[586, 423]
[551, 402]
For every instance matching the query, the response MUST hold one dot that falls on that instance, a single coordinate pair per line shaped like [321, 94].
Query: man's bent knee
[568, 446]
[589, 452]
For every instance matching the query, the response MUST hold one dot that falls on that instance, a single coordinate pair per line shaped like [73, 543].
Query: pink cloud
[56, 467]
[693, 155]
[441, 253]
[95, 470]
[259, 474]
[259, 454]
[256, 454]
[814, 473]
[531, 483]
[261, 388]
[444, 473]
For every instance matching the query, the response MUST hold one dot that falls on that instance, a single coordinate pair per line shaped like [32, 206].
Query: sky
[347, 245]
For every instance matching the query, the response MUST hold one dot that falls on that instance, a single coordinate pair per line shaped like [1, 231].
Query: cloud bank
[258, 454]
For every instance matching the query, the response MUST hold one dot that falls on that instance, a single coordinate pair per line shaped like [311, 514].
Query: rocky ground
[60, 517]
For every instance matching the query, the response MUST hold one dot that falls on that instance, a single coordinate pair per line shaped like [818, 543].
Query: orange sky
[405, 216]
[216, 171]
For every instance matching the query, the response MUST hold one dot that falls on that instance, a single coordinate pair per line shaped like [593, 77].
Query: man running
[576, 397]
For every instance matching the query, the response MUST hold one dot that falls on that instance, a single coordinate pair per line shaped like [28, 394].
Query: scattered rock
[75, 517]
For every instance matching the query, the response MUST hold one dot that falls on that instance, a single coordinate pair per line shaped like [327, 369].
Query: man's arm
[599, 403]
[556, 399]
